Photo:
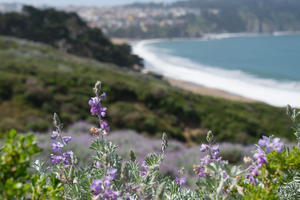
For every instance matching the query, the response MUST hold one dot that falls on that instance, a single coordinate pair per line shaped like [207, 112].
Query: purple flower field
[178, 155]
[107, 167]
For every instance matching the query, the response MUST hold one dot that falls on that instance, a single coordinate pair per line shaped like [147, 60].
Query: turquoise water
[264, 56]
[265, 68]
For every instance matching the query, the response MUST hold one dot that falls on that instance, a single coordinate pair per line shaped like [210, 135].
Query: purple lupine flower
[201, 174]
[105, 127]
[204, 147]
[111, 194]
[67, 139]
[68, 154]
[259, 152]
[103, 111]
[67, 157]
[94, 101]
[129, 198]
[54, 135]
[213, 156]
[57, 147]
[144, 167]
[112, 172]
[143, 173]
[251, 178]
[253, 170]
[261, 157]
[107, 181]
[277, 145]
[205, 160]
[95, 104]
[215, 148]
[181, 181]
[261, 160]
[200, 170]
[225, 175]
[271, 144]
[96, 186]
[55, 159]
[111, 175]
[264, 141]
[95, 110]
[215, 152]
[103, 96]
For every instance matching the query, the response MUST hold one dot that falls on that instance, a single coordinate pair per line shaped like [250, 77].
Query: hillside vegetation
[37, 80]
[263, 16]
[67, 32]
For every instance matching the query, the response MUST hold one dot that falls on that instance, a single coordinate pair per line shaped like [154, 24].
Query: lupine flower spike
[266, 145]
[59, 143]
[99, 111]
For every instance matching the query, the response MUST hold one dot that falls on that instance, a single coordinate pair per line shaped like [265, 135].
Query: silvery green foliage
[130, 183]
[108, 176]
[290, 191]
[294, 114]
[217, 178]
[134, 181]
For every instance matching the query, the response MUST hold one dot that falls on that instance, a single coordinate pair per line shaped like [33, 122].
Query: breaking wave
[274, 92]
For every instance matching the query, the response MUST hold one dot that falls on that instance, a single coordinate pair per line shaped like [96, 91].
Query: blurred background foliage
[37, 80]
[67, 32]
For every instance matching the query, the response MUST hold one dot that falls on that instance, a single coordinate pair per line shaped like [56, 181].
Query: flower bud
[95, 131]
[56, 121]
[164, 143]
[97, 88]
[246, 159]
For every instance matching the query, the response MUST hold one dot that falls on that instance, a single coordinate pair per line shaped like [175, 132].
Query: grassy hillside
[67, 32]
[37, 80]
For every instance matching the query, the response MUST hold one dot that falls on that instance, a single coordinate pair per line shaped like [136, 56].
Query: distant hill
[216, 16]
[67, 32]
[247, 15]
[37, 80]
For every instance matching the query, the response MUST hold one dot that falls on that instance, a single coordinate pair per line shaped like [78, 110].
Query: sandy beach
[122, 40]
[202, 90]
[197, 89]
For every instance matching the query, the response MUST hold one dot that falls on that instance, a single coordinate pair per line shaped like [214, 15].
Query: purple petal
[67, 139]
[54, 135]
[57, 147]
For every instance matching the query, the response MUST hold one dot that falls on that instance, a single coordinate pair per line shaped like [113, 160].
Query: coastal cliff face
[264, 26]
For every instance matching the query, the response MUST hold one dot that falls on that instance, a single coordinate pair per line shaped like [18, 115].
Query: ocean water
[261, 67]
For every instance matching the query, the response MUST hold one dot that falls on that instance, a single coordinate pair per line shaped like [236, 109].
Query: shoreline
[206, 36]
[189, 86]
[237, 83]
[128, 41]
[206, 91]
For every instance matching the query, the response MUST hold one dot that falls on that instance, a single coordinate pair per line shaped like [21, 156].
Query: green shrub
[14, 163]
